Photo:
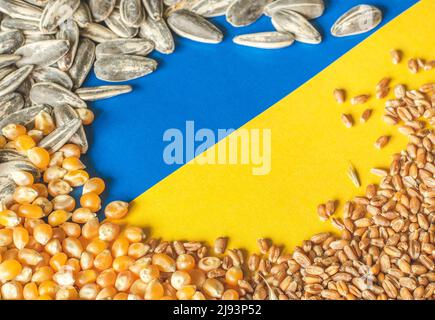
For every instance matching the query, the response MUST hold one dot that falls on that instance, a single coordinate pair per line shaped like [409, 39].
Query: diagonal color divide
[311, 150]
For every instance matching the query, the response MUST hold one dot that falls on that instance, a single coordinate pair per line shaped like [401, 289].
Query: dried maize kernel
[44, 122]
[22, 178]
[138, 288]
[9, 269]
[96, 246]
[137, 250]
[90, 229]
[233, 275]
[71, 150]
[43, 233]
[24, 143]
[198, 296]
[86, 115]
[213, 288]
[56, 159]
[120, 247]
[48, 288]
[74, 264]
[124, 280]
[76, 178]
[39, 157]
[20, 237]
[116, 210]
[149, 273]
[95, 185]
[103, 260]
[36, 135]
[54, 173]
[86, 260]
[58, 217]
[12, 291]
[30, 291]
[64, 277]
[91, 201]
[42, 274]
[58, 260]
[122, 263]
[154, 290]
[72, 163]
[71, 229]
[10, 145]
[230, 294]
[30, 211]
[133, 234]
[59, 187]
[24, 195]
[41, 189]
[186, 293]
[106, 278]
[164, 262]
[185, 262]
[108, 231]
[72, 247]
[25, 275]
[179, 279]
[9, 218]
[53, 246]
[13, 131]
[30, 257]
[82, 215]
[45, 204]
[121, 296]
[63, 202]
[106, 294]
[69, 293]
[86, 277]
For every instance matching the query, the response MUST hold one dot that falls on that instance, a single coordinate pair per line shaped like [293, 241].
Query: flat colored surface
[311, 148]
[217, 86]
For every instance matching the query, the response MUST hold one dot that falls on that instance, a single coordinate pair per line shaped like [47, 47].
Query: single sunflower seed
[54, 95]
[359, 19]
[211, 8]
[102, 92]
[63, 115]
[54, 75]
[242, 13]
[42, 53]
[10, 103]
[296, 24]
[117, 26]
[68, 31]
[83, 62]
[158, 32]
[265, 40]
[131, 12]
[97, 32]
[8, 59]
[60, 136]
[82, 16]
[154, 8]
[14, 80]
[101, 9]
[57, 12]
[10, 41]
[138, 47]
[310, 9]
[20, 10]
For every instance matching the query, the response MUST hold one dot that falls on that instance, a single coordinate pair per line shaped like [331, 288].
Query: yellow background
[311, 150]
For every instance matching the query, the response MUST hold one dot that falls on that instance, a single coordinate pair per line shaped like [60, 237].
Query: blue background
[217, 86]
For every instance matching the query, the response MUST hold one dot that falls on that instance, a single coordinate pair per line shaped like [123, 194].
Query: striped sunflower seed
[296, 24]
[118, 27]
[13, 80]
[211, 8]
[54, 75]
[82, 16]
[7, 189]
[265, 40]
[97, 32]
[8, 168]
[57, 12]
[10, 103]
[82, 65]
[131, 12]
[7, 155]
[138, 47]
[102, 92]
[42, 53]
[357, 20]
[10, 41]
[154, 8]
[7, 70]
[23, 116]
[310, 9]
[194, 27]
[242, 13]
[118, 68]
[63, 115]
[20, 10]
[27, 27]
[101, 9]
[68, 31]
[54, 95]
[8, 59]
[158, 32]
[60, 136]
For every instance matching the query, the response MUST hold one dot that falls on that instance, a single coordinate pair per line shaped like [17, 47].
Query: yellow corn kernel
[30, 211]
[74, 264]
[11, 254]
[106, 294]
[106, 278]
[41, 189]
[186, 293]
[91, 201]
[185, 262]
[43, 233]
[6, 237]
[45, 297]
[20, 237]
[39, 157]
[86, 260]
[90, 228]
[103, 260]
[82, 215]
[30, 224]
[42, 274]
[154, 290]
[58, 217]
[72, 247]
[95, 185]
[58, 188]
[68, 293]
[108, 231]
[213, 288]
[44, 122]
[13, 131]
[58, 261]
[9, 269]
[36, 135]
[12, 291]
[116, 210]
[122, 263]
[25, 275]
[149, 273]
[53, 246]
[96, 246]
[133, 234]
[2, 141]
[233, 275]
[56, 159]
[71, 150]
[44, 204]
[64, 202]
[179, 279]
[124, 280]
[30, 257]
[71, 229]
[86, 277]
[22, 178]
[198, 296]
[24, 143]
[76, 178]
[86, 115]
[121, 296]
[230, 294]
[30, 291]
[9, 219]
[164, 262]
[72, 163]
[25, 195]
[54, 173]
[137, 250]
[120, 247]
[48, 288]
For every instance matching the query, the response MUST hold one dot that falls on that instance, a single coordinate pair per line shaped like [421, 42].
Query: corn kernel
[91, 201]
[213, 288]
[122, 263]
[30, 211]
[58, 188]
[48, 288]
[154, 290]
[9, 269]
[39, 157]
[30, 291]
[30, 257]
[64, 202]
[2, 141]
[71, 150]
[72, 163]
[9, 218]
[233, 275]
[120, 247]
[36, 135]
[86, 277]
[164, 262]
[185, 262]
[25, 195]
[72, 247]
[133, 234]
[13, 131]
[186, 293]
[179, 279]
[106, 278]
[20, 237]
[43, 233]
[149, 273]
[103, 260]
[86, 115]
[108, 231]
[24, 143]
[90, 228]
[6, 237]
[58, 217]
[54, 173]
[116, 210]
[44, 122]
[22, 178]
[44, 204]
[58, 261]
[230, 294]
[95, 185]
[41, 189]
[76, 178]
[124, 280]
[12, 291]
[82, 215]
[42, 274]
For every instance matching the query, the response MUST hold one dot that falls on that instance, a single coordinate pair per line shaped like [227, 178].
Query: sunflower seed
[63, 115]
[50, 74]
[20, 10]
[39, 3]
[101, 9]
[158, 32]
[83, 62]
[357, 20]
[103, 92]
[115, 24]
[123, 67]
[310, 9]
[138, 47]
[265, 40]
[38, 37]
[82, 16]
[8, 59]
[154, 8]
[194, 27]
[292, 22]
[27, 27]
[54, 95]
[245, 12]
[57, 12]
[97, 33]
[7, 189]
[68, 31]
[60, 136]
[13, 80]
[10, 103]
[23, 116]
[8, 168]
[131, 12]
[211, 8]
[7, 70]
[7, 155]
[42, 53]
[10, 41]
